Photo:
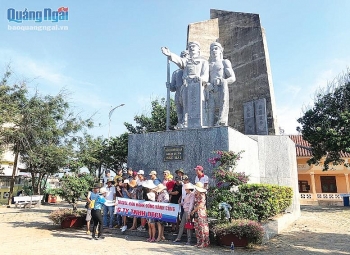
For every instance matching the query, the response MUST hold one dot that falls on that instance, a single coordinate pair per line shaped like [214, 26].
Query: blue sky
[111, 52]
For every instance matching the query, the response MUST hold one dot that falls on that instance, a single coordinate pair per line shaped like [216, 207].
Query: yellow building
[315, 185]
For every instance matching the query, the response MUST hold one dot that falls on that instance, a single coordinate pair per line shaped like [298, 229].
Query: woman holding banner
[199, 213]
[163, 197]
[150, 195]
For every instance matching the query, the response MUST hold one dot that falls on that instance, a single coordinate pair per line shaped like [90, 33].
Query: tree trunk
[75, 205]
[12, 182]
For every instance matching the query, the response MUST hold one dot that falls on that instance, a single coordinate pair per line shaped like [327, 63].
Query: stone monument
[235, 38]
[244, 43]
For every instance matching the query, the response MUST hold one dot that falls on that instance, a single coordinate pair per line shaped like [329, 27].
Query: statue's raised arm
[180, 62]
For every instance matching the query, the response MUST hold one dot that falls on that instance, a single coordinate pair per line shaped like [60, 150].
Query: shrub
[59, 215]
[267, 200]
[251, 230]
[74, 187]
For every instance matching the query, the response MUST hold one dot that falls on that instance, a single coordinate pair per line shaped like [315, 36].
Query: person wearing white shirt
[108, 208]
[201, 177]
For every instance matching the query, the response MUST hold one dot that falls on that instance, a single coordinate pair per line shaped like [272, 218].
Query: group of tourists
[191, 199]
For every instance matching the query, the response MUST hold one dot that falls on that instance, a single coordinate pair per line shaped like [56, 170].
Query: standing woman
[163, 197]
[187, 206]
[96, 214]
[199, 213]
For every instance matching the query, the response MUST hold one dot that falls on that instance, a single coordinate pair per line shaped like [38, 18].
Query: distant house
[315, 185]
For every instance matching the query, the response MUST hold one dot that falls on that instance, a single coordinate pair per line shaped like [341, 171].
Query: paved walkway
[319, 231]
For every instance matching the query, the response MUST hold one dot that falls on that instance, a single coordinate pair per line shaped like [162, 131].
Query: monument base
[266, 159]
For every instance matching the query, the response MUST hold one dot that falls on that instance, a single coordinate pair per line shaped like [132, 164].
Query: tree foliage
[74, 187]
[157, 120]
[326, 125]
[40, 129]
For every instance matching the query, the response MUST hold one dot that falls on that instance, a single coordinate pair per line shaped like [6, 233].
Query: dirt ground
[319, 231]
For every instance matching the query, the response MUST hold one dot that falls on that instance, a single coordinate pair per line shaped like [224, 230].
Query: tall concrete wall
[278, 165]
[245, 46]
[205, 33]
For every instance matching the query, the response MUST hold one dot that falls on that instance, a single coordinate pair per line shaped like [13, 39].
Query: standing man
[108, 208]
[175, 198]
[195, 76]
[201, 177]
[220, 76]
[154, 178]
[180, 172]
[106, 177]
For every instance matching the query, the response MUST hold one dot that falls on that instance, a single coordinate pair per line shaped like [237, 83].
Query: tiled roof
[303, 148]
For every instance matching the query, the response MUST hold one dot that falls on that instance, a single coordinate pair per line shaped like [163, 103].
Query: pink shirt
[188, 202]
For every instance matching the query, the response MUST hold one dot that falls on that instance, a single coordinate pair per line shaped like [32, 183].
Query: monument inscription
[173, 153]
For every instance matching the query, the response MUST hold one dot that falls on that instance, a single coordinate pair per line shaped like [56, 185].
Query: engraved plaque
[173, 153]
[260, 117]
[249, 118]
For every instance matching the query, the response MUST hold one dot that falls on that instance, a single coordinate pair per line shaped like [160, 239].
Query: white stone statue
[220, 76]
[176, 85]
[195, 76]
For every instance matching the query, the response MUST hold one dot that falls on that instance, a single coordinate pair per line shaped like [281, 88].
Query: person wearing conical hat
[199, 213]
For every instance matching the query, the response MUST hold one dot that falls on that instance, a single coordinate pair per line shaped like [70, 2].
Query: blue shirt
[156, 182]
[99, 202]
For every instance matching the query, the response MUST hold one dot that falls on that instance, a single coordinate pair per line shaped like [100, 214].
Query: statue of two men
[205, 78]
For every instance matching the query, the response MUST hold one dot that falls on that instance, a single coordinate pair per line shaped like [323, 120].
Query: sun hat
[188, 186]
[160, 187]
[148, 184]
[97, 186]
[126, 181]
[166, 172]
[153, 173]
[110, 179]
[151, 196]
[200, 187]
[141, 172]
[179, 171]
[185, 177]
[103, 190]
[199, 168]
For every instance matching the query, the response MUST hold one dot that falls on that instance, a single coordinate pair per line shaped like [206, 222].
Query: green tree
[74, 187]
[90, 154]
[326, 125]
[157, 120]
[116, 152]
[42, 130]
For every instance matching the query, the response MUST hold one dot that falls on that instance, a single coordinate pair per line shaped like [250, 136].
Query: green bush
[251, 201]
[267, 200]
[251, 230]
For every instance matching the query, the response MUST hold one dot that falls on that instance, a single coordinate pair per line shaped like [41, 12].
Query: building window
[304, 187]
[328, 184]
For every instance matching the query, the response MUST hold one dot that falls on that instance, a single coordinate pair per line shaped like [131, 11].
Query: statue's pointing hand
[165, 51]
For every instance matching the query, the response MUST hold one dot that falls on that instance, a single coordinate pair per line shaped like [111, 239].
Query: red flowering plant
[224, 173]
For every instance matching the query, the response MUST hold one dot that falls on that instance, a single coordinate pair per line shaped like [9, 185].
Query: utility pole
[110, 115]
